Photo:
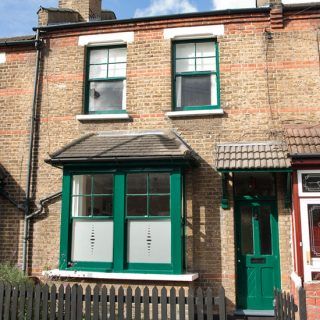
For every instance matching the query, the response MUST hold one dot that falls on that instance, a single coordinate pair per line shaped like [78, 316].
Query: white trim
[194, 32]
[2, 57]
[97, 117]
[106, 38]
[173, 114]
[188, 277]
[306, 194]
[310, 264]
[296, 279]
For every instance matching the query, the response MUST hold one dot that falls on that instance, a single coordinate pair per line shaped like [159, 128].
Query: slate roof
[259, 155]
[303, 140]
[124, 145]
[17, 39]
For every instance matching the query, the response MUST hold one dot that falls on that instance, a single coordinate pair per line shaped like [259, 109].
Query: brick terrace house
[166, 137]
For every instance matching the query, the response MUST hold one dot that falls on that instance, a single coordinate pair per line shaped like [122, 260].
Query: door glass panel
[246, 230]
[314, 226]
[265, 230]
[310, 182]
[254, 184]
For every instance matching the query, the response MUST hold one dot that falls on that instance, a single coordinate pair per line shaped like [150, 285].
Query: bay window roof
[119, 146]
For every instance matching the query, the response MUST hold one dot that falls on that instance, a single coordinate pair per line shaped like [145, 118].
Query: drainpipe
[30, 157]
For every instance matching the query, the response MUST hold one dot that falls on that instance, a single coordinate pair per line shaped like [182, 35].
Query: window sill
[107, 116]
[195, 113]
[188, 277]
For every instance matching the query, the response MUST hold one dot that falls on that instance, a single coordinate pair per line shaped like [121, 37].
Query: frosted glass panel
[149, 241]
[117, 70]
[81, 206]
[206, 64]
[92, 241]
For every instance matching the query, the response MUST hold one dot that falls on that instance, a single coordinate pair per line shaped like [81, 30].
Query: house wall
[265, 84]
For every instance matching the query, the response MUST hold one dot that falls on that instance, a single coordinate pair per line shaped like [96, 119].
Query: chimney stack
[88, 9]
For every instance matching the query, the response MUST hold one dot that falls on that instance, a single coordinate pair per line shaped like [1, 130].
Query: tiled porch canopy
[303, 141]
[252, 156]
[121, 146]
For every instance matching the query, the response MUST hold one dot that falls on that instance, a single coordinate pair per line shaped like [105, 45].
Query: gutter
[10, 43]
[304, 155]
[66, 26]
[37, 43]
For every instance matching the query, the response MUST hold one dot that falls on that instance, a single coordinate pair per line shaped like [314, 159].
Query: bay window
[122, 221]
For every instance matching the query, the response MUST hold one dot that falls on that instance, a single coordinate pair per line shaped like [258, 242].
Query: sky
[17, 17]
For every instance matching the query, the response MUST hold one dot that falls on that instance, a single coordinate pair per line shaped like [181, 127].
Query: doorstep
[254, 313]
[187, 277]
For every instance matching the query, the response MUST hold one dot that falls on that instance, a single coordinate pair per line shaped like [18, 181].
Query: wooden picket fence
[285, 307]
[74, 302]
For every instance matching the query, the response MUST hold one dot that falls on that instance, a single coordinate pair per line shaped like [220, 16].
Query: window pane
[159, 183]
[149, 241]
[99, 56]
[205, 49]
[159, 205]
[102, 184]
[310, 182]
[265, 231]
[185, 50]
[81, 206]
[137, 183]
[246, 230]
[117, 55]
[102, 206]
[185, 65]
[314, 226]
[98, 71]
[106, 96]
[117, 70]
[81, 184]
[206, 64]
[194, 90]
[92, 241]
[137, 206]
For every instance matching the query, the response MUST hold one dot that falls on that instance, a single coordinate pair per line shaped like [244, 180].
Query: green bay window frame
[103, 79]
[121, 219]
[176, 74]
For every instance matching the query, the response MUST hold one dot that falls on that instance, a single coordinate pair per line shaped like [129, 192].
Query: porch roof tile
[124, 145]
[303, 140]
[258, 155]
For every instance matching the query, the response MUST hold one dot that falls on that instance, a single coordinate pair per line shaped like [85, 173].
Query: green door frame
[246, 260]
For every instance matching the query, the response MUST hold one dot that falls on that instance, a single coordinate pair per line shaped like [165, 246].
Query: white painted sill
[97, 117]
[195, 113]
[188, 277]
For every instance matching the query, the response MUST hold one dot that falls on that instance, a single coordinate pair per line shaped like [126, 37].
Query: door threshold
[251, 312]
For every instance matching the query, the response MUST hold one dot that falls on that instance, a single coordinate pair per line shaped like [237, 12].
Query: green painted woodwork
[196, 73]
[225, 196]
[288, 194]
[120, 223]
[258, 269]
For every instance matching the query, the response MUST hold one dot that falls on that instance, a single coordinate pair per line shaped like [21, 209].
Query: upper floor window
[106, 80]
[196, 75]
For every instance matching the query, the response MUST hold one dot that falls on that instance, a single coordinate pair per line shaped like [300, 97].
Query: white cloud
[231, 4]
[162, 7]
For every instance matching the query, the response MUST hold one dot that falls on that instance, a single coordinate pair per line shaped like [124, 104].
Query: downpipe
[30, 155]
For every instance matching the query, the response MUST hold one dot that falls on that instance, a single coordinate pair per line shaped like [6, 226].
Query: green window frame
[197, 71]
[105, 88]
[121, 221]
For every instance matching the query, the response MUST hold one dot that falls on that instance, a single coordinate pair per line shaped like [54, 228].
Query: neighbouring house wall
[265, 84]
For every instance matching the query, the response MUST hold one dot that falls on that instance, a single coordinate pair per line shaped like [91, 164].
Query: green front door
[258, 270]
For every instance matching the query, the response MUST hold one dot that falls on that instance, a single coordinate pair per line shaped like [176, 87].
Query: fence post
[222, 304]
[302, 304]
